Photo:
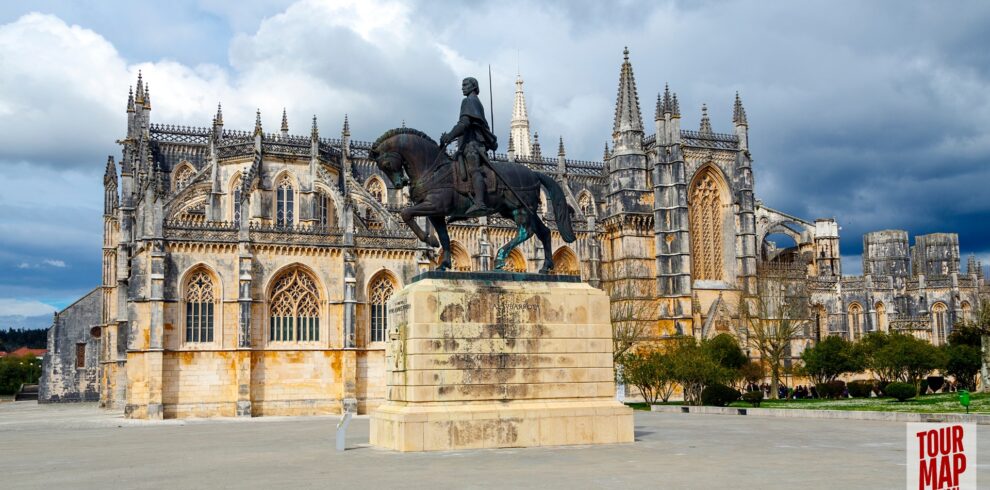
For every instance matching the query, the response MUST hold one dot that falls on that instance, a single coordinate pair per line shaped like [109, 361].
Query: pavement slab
[83, 446]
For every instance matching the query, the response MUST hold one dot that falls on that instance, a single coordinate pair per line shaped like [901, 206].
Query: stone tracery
[295, 310]
[706, 227]
[200, 302]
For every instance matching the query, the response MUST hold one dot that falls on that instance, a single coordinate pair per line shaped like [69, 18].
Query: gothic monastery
[247, 272]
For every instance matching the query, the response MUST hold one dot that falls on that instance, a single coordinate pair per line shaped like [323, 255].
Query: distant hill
[12, 339]
[27, 322]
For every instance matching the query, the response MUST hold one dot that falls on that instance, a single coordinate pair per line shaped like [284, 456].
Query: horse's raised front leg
[440, 224]
[523, 232]
[409, 215]
[543, 233]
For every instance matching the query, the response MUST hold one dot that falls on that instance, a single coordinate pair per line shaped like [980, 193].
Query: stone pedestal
[483, 360]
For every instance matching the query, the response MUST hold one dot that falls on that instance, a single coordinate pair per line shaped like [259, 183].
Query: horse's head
[403, 154]
[389, 162]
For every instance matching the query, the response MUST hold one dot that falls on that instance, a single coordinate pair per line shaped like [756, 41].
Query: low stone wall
[830, 414]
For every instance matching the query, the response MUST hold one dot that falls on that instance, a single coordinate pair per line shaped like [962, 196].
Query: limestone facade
[246, 272]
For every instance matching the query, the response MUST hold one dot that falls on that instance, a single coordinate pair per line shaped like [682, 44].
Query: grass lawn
[937, 403]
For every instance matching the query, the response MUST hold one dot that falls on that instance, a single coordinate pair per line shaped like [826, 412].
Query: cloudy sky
[875, 113]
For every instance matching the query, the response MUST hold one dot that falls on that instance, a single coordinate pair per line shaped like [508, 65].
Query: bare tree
[769, 321]
[633, 322]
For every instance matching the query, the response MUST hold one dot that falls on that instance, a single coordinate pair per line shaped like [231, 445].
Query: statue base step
[495, 425]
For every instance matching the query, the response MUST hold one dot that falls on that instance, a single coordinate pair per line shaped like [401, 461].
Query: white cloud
[55, 263]
[9, 306]
[24, 265]
[852, 114]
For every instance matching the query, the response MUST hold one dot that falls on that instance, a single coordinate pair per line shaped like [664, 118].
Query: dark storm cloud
[876, 113]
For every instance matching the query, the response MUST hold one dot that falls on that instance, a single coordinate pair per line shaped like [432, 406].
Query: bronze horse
[410, 157]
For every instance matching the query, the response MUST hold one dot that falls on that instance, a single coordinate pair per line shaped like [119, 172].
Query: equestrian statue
[470, 185]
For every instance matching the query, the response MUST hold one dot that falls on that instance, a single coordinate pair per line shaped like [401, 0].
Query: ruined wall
[71, 367]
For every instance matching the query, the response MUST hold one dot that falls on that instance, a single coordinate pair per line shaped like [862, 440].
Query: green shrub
[860, 388]
[15, 371]
[649, 370]
[901, 391]
[753, 398]
[718, 395]
[832, 389]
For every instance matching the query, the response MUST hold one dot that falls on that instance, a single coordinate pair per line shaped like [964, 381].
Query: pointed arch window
[821, 322]
[379, 292]
[377, 190]
[183, 175]
[855, 321]
[881, 317]
[324, 209]
[235, 200]
[706, 227]
[939, 320]
[295, 309]
[284, 201]
[515, 262]
[200, 300]
[565, 263]
[587, 204]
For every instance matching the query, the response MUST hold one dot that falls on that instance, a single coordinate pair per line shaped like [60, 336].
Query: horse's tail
[562, 211]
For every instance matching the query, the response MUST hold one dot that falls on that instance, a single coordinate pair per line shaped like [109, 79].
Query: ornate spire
[130, 99]
[706, 124]
[668, 100]
[560, 148]
[512, 144]
[347, 127]
[403, 122]
[147, 96]
[110, 173]
[536, 146]
[606, 155]
[658, 112]
[314, 133]
[285, 122]
[219, 119]
[738, 112]
[257, 122]
[139, 92]
[627, 116]
[675, 107]
[519, 127]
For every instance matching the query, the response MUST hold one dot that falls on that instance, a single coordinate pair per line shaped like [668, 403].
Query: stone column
[245, 261]
[153, 358]
[350, 301]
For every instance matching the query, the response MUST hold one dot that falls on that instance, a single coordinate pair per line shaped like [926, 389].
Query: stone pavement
[81, 446]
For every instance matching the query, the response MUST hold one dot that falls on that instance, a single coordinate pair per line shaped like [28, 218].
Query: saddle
[462, 179]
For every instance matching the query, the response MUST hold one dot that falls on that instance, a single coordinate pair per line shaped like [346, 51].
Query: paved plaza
[82, 446]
